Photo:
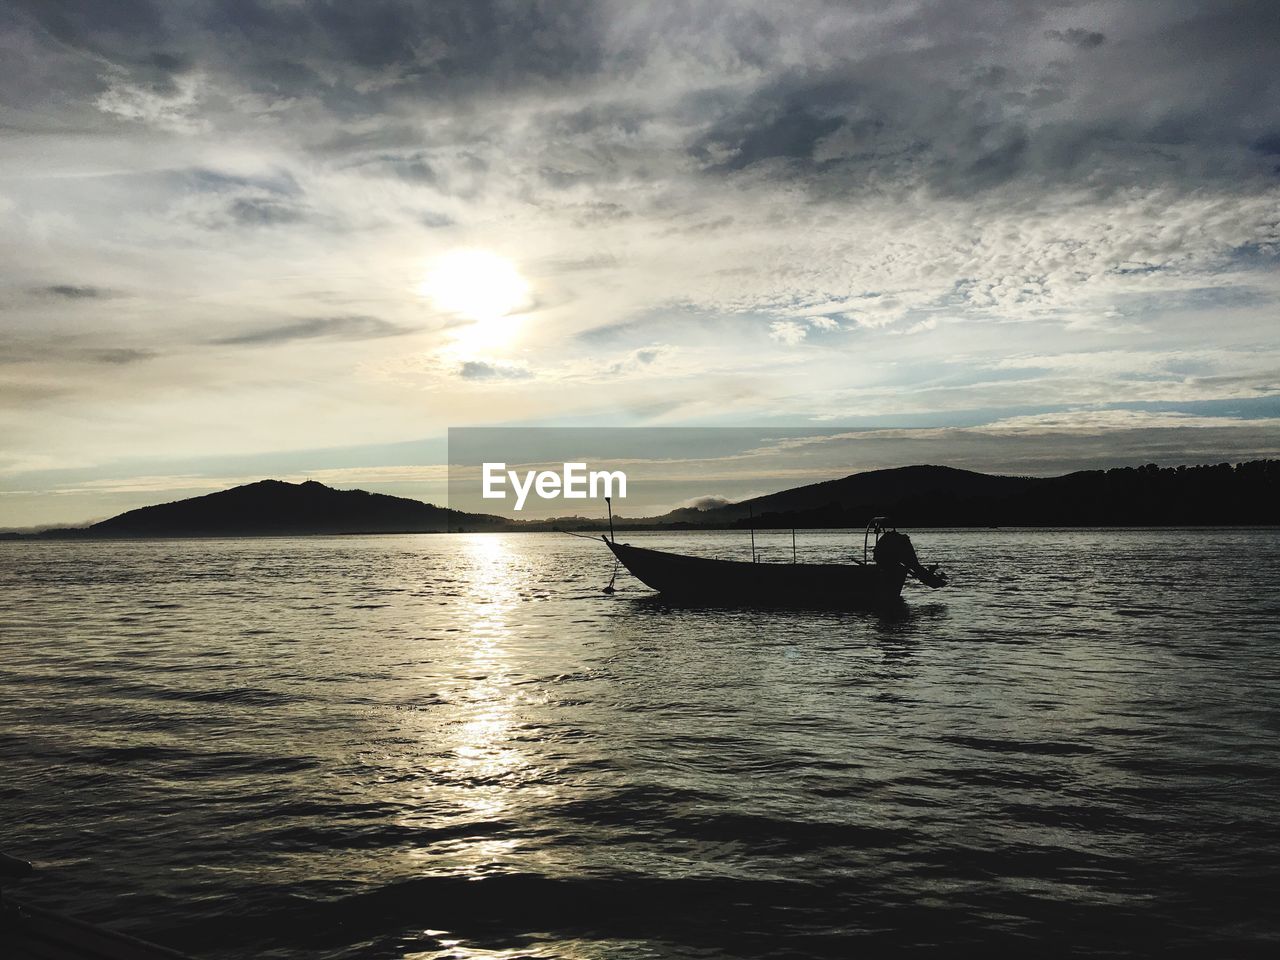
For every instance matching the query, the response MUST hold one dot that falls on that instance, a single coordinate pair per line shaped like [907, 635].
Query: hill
[849, 499]
[277, 508]
[919, 496]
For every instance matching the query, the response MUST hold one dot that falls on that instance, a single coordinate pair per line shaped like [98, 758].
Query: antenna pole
[609, 507]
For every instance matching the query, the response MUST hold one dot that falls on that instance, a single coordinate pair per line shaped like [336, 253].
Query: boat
[875, 580]
[32, 933]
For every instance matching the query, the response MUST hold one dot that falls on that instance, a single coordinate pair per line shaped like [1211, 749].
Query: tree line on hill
[1220, 494]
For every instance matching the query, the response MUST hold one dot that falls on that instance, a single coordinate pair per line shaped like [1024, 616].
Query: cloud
[330, 328]
[706, 502]
[1077, 37]
[159, 98]
[1092, 423]
[58, 350]
[118, 356]
[68, 291]
[638, 361]
[920, 326]
[483, 370]
[788, 331]
[263, 211]
[218, 200]
[789, 131]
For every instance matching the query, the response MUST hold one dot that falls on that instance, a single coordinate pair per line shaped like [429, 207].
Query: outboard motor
[894, 547]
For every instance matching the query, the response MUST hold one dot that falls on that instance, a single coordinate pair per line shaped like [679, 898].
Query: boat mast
[752, 514]
[609, 506]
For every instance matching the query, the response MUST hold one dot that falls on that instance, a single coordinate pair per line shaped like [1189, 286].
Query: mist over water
[457, 746]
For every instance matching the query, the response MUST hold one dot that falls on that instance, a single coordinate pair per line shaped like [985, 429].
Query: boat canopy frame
[877, 526]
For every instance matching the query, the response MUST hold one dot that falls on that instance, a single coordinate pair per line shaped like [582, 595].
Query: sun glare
[476, 285]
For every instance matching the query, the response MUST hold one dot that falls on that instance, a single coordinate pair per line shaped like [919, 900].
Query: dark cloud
[263, 211]
[792, 135]
[204, 179]
[237, 200]
[891, 96]
[281, 77]
[984, 158]
[1077, 37]
[102, 28]
[170, 62]
[330, 60]
[283, 43]
[480, 370]
[1268, 144]
[783, 119]
[941, 104]
[417, 51]
[79, 49]
[118, 356]
[158, 72]
[70, 291]
[60, 350]
[411, 167]
[334, 328]
[596, 119]
[387, 136]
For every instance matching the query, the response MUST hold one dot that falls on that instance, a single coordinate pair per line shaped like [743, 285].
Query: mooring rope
[616, 563]
[613, 579]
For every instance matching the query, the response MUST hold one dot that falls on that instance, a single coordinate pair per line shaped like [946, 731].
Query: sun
[475, 285]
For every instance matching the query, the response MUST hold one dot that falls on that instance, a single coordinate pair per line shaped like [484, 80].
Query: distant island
[276, 508]
[917, 496]
[936, 496]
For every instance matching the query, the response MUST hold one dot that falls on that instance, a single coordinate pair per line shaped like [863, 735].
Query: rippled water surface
[440, 746]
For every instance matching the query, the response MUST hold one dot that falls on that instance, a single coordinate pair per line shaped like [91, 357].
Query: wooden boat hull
[731, 581]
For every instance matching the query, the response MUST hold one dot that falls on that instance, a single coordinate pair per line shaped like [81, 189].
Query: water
[431, 746]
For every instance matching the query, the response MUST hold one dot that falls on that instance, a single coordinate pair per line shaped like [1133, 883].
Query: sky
[252, 238]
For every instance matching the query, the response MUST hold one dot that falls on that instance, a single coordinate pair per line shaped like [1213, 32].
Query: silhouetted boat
[876, 580]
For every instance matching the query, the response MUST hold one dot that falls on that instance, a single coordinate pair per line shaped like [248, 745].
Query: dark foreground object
[866, 584]
[29, 933]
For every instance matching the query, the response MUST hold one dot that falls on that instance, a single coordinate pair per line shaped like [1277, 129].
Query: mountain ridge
[917, 496]
[279, 508]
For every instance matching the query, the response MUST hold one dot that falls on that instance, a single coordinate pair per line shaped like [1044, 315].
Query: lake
[458, 746]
